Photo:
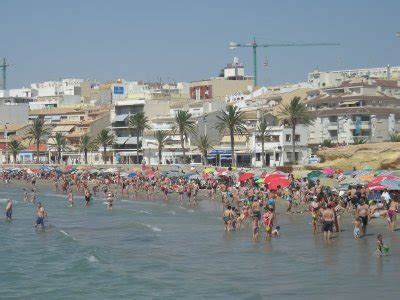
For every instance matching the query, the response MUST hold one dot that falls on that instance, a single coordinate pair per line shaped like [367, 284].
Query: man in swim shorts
[9, 210]
[41, 214]
[363, 213]
[328, 217]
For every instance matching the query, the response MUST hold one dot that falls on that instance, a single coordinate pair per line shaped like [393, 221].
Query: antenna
[4, 67]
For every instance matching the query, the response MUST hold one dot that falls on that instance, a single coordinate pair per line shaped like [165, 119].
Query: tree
[139, 122]
[105, 138]
[36, 133]
[184, 126]
[162, 138]
[85, 143]
[327, 144]
[61, 144]
[295, 113]
[231, 120]
[203, 144]
[262, 129]
[14, 147]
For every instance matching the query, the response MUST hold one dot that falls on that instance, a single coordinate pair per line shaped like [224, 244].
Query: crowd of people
[246, 203]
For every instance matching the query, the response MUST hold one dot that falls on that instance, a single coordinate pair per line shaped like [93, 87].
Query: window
[288, 138]
[276, 156]
[258, 156]
[297, 138]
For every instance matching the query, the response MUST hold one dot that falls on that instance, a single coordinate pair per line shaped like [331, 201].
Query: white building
[320, 79]
[70, 86]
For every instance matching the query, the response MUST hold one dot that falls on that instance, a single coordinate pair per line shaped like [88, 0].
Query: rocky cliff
[377, 156]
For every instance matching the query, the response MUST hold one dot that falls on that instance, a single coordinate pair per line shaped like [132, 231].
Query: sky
[182, 40]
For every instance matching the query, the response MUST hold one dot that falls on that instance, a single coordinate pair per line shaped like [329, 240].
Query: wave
[145, 212]
[171, 212]
[67, 234]
[154, 228]
[92, 259]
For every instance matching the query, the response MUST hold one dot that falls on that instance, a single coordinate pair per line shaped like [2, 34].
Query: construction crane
[4, 67]
[254, 45]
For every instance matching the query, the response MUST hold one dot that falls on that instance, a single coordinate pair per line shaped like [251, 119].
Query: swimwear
[357, 232]
[40, 221]
[226, 219]
[364, 220]
[9, 213]
[391, 213]
[257, 214]
[327, 226]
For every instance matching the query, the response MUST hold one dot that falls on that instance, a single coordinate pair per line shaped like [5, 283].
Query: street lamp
[6, 137]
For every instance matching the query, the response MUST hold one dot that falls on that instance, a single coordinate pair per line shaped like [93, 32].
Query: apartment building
[357, 108]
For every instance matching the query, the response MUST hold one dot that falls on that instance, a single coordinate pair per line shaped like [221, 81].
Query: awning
[66, 128]
[132, 141]
[238, 139]
[121, 140]
[348, 103]
[120, 118]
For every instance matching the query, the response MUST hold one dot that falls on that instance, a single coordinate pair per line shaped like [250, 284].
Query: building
[319, 79]
[126, 137]
[14, 109]
[69, 86]
[231, 80]
[357, 108]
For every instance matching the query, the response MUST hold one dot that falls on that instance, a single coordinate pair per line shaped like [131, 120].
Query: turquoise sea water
[153, 250]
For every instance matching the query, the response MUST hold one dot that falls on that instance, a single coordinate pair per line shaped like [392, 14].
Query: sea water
[152, 250]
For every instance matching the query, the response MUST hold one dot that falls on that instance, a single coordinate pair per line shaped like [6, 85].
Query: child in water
[357, 228]
[381, 249]
[275, 232]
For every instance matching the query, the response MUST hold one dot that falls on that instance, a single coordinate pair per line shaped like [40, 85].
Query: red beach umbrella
[282, 182]
[272, 177]
[245, 176]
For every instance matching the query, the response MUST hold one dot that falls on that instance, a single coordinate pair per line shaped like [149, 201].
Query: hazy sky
[185, 40]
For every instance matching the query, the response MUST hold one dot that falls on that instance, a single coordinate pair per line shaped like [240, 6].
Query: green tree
[359, 141]
[104, 139]
[162, 138]
[139, 122]
[61, 144]
[184, 126]
[263, 131]
[36, 133]
[232, 121]
[295, 113]
[86, 143]
[203, 144]
[14, 147]
[327, 144]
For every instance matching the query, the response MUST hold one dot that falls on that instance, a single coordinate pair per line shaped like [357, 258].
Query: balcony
[333, 126]
[363, 125]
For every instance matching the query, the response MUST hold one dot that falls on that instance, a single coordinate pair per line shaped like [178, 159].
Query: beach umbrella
[330, 182]
[314, 174]
[376, 187]
[367, 168]
[209, 170]
[278, 181]
[366, 177]
[328, 171]
[348, 172]
[132, 174]
[245, 176]
[194, 177]
[272, 177]
[381, 178]
[391, 184]
[44, 168]
[260, 181]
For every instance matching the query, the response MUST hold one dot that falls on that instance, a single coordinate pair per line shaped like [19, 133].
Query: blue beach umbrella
[132, 174]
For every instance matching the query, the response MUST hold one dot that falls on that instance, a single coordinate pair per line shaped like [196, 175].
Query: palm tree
[14, 147]
[105, 138]
[61, 144]
[359, 141]
[231, 120]
[139, 122]
[85, 143]
[184, 126]
[203, 144]
[263, 128]
[296, 113]
[36, 133]
[162, 138]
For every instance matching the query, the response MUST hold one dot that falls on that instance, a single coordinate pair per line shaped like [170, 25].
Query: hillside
[377, 156]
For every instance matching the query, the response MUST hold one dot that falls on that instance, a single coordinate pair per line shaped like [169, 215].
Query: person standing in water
[41, 214]
[363, 213]
[9, 210]
[70, 198]
[327, 218]
[88, 195]
[110, 200]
